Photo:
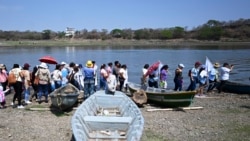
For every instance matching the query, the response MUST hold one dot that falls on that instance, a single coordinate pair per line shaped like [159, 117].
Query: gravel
[223, 117]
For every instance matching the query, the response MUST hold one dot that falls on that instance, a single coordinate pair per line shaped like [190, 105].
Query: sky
[56, 15]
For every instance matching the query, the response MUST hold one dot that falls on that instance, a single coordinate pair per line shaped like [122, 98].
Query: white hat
[181, 65]
[43, 65]
[63, 63]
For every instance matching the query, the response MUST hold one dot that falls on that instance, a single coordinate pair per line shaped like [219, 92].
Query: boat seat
[96, 123]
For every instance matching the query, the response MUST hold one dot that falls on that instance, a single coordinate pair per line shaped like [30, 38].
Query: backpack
[189, 72]
[12, 78]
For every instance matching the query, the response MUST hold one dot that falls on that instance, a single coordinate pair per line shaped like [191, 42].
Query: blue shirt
[88, 72]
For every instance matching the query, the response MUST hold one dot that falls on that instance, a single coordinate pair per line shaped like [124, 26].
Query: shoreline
[122, 42]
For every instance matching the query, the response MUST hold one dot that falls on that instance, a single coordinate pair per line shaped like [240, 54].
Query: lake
[136, 57]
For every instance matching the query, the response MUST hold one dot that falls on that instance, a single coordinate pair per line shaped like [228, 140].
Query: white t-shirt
[112, 83]
[224, 73]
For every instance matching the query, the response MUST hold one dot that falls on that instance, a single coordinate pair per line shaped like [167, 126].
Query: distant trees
[212, 30]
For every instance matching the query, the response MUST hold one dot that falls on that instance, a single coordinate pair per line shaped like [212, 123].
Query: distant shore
[119, 42]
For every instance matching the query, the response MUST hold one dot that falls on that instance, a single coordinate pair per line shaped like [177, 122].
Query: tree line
[213, 30]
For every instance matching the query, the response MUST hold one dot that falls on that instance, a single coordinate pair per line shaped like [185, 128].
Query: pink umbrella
[152, 68]
[48, 59]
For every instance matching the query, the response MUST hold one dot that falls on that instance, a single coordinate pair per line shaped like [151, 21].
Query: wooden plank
[175, 109]
[41, 109]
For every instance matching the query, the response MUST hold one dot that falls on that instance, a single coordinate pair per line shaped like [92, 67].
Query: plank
[174, 109]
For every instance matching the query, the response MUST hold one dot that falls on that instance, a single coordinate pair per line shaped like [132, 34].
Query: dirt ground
[223, 117]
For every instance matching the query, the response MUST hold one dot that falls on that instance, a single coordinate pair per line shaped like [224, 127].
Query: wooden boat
[163, 97]
[234, 87]
[64, 97]
[107, 117]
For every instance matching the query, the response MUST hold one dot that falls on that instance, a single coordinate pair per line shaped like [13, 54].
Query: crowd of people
[109, 77]
[200, 75]
[88, 78]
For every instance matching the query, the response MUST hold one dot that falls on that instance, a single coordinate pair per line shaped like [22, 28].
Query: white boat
[107, 117]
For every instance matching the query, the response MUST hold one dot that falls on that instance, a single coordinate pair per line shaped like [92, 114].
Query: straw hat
[89, 64]
[217, 65]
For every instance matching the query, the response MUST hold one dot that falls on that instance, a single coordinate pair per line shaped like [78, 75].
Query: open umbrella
[153, 67]
[48, 59]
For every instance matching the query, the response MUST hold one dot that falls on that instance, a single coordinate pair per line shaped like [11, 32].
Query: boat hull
[64, 97]
[238, 88]
[166, 98]
[107, 117]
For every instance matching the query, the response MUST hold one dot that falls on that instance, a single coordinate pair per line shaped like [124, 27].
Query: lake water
[135, 58]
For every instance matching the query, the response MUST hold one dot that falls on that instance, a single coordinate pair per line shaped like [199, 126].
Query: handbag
[11, 78]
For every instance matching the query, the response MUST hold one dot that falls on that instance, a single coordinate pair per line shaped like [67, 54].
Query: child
[2, 97]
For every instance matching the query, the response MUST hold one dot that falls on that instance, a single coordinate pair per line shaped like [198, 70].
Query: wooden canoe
[238, 88]
[166, 98]
[107, 117]
[64, 97]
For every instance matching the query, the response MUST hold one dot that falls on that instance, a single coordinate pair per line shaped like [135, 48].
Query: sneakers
[20, 107]
[200, 96]
[28, 102]
[12, 104]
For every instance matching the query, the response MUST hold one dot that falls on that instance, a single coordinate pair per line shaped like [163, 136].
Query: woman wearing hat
[89, 80]
[213, 77]
[44, 81]
[178, 79]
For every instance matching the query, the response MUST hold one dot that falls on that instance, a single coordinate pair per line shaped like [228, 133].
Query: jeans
[27, 94]
[178, 84]
[43, 89]
[193, 83]
[89, 84]
[102, 83]
[58, 84]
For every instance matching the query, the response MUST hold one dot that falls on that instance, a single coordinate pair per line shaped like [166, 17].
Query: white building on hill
[69, 32]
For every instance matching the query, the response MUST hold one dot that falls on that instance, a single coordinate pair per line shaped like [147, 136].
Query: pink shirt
[3, 76]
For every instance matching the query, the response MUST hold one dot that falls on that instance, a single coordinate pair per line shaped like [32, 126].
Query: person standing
[122, 76]
[213, 77]
[193, 74]
[65, 73]
[224, 75]
[144, 78]
[34, 86]
[202, 76]
[178, 79]
[89, 80]
[78, 78]
[3, 76]
[17, 71]
[153, 78]
[44, 81]
[57, 76]
[95, 75]
[103, 77]
[27, 83]
[163, 77]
